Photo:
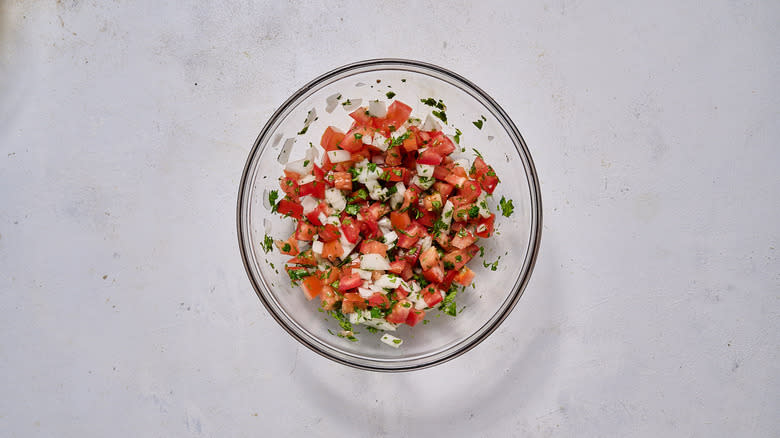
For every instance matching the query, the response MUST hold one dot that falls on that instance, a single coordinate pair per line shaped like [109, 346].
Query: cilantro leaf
[457, 135]
[273, 195]
[268, 243]
[506, 207]
[478, 124]
[390, 94]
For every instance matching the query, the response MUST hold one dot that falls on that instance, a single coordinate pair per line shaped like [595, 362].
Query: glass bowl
[497, 287]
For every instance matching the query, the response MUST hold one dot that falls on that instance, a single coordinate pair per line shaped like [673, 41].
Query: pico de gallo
[388, 219]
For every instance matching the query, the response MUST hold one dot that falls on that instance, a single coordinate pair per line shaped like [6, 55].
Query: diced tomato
[429, 157]
[410, 143]
[305, 258]
[397, 114]
[350, 227]
[331, 138]
[373, 247]
[395, 173]
[314, 188]
[329, 298]
[289, 187]
[360, 155]
[401, 293]
[329, 232]
[489, 180]
[470, 191]
[435, 274]
[289, 246]
[305, 231]
[429, 258]
[292, 175]
[342, 180]
[462, 212]
[379, 300]
[464, 276]
[448, 276]
[353, 140]
[408, 237]
[410, 256]
[411, 196]
[455, 180]
[428, 218]
[314, 215]
[443, 189]
[350, 281]
[441, 144]
[377, 210]
[330, 275]
[431, 295]
[393, 156]
[332, 250]
[440, 172]
[485, 225]
[311, 286]
[319, 174]
[478, 167]
[400, 220]
[463, 238]
[459, 257]
[370, 229]
[415, 316]
[361, 117]
[432, 202]
[351, 301]
[289, 208]
[400, 312]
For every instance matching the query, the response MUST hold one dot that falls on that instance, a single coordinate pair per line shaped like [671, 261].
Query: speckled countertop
[654, 309]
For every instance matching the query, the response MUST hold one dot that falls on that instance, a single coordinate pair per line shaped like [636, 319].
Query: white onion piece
[299, 167]
[308, 203]
[339, 156]
[377, 108]
[374, 262]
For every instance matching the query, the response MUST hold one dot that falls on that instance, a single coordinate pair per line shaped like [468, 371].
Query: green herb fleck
[482, 251]
[473, 211]
[286, 247]
[493, 266]
[448, 305]
[457, 135]
[397, 141]
[441, 115]
[390, 94]
[358, 135]
[476, 152]
[346, 102]
[303, 131]
[506, 207]
[272, 197]
[305, 163]
[371, 329]
[268, 243]
[437, 228]
[352, 209]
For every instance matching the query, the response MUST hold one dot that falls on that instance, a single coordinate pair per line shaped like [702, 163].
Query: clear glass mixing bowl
[516, 240]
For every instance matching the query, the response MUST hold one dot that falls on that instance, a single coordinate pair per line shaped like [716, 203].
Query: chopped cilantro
[476, 152]
[482, 251]
[346, 102]
[397, 141]
[448, 265]
[457, 135]
[396, 341]
[436, 205]
[448, 305]
[268, 243]
[403, 80]
[286, 247]
[458, 258]
[506, 207]
[390, 94]
[352, 209]
[272, 197]
[437, 228]
[473, 211]
[297, 274]
[493, 266]
[371, 167]
[358, 135]
[432, 102]
[305, 163]
[303, 131]
[371, 329]
[342, 319]
[441, 115]
[478, 124]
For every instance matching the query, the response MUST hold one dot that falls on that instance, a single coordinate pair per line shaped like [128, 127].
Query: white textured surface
[654, 307]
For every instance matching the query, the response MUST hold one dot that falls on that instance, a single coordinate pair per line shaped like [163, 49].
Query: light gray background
[653, 309]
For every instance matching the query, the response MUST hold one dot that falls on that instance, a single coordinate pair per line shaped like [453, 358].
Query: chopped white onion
[374, 262]
[392, 340]
[308, 203]
[335, 199]
[425, 170]
[301, 167]
[397, 198]
[380, 142]
[316, 247]
[339, 156]
[430, 124]
[306, 179]
[377, 108]
[364, 275]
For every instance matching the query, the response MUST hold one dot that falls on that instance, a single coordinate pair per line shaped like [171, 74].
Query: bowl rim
[536, 213]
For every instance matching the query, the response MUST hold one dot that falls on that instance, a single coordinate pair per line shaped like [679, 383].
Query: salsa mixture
[389, 221]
